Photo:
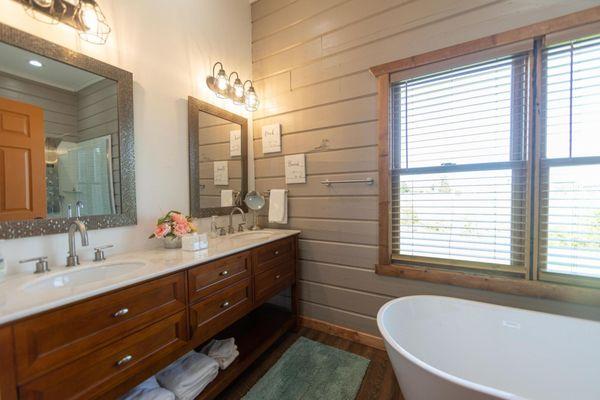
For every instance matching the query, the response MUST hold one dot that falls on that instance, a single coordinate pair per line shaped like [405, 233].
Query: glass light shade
[251, 99]
[94, 28]
[222, 84]
[238, 92]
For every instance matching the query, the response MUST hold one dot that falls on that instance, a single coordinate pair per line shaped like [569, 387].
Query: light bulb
[35, 63]
[89, 17]
[222, 80]
[238, 88]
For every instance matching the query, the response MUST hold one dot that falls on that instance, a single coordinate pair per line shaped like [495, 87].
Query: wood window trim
[527, 286]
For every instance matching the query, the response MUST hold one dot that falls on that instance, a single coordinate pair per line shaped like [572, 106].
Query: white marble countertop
[22, 295]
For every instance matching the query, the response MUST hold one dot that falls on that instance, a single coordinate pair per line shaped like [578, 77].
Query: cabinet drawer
[57, 337]
[214, 313]
[214, 276]
[106, 367]
[271, 282]
[274, 254]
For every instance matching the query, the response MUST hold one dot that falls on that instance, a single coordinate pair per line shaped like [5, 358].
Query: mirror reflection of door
[22, 165]
[69, 161]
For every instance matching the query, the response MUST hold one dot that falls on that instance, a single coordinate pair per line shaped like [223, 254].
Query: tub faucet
[240, 228]
[77, 225]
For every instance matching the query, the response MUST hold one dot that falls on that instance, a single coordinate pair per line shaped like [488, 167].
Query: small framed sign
[271, 138]
[295, 169]
[221, 173]
[235, 143]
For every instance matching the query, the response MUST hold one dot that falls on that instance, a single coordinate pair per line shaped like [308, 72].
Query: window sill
[499, 284]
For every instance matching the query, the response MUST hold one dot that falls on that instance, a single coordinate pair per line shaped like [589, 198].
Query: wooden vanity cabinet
[103, 346]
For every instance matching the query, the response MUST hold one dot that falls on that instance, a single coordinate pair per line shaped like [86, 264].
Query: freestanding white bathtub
[453, 349]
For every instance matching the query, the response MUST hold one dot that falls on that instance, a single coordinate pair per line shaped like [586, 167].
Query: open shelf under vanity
[253, 334]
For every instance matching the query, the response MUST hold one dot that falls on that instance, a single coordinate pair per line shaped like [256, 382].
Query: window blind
[459, 166]
[569, 237]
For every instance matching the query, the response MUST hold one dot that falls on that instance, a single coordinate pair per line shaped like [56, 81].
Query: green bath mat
[309, 370]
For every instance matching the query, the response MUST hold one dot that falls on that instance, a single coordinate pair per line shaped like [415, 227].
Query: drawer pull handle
[124, 360]
[276, 252]
[277, 276]
[121, 312]
[224, 273]
[225, 305]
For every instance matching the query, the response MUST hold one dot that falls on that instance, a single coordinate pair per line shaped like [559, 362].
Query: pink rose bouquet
[173, 224]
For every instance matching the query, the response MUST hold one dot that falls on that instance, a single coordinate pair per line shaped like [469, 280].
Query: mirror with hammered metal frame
[218, 159]
[66, 139]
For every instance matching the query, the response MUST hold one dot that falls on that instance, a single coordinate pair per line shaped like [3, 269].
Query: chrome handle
[277, 276]
[225, 305]
[124, 360]
[276, 252]
[33, 259]
[224, 273]
[121, 312]
[106, 246]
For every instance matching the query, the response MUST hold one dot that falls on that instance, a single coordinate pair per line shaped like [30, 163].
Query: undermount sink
[258, 235]
[83, 275]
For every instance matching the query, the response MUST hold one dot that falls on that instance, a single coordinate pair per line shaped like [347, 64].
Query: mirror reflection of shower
[79, 177]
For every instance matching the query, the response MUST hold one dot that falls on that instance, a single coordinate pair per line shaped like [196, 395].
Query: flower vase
[171, 242]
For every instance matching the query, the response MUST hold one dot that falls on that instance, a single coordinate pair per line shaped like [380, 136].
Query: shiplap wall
[98, 116]
[59, 105]
[213, 142]
[310, 67]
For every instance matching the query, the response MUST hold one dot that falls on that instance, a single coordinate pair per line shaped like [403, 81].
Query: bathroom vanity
[98, 339]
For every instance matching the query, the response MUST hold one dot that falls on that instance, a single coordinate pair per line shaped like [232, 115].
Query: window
[484, 179]
[569, 236]
[459, 166]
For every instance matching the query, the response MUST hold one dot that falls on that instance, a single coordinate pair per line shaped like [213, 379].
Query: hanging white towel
[278, 212]
[149, 390]
[189, 375]
[226, 198]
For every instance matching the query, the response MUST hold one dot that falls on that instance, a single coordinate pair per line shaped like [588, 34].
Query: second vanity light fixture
[238, 92]
[83, 15]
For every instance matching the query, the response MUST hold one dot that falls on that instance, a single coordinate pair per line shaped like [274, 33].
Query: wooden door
[22, 164]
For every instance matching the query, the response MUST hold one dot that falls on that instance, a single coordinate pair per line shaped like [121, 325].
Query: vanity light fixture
[221, 85]
[251, 99]
[35, 63]
[237, 89]
[83, 15]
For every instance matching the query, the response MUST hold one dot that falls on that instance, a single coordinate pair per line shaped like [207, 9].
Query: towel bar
[368, 181]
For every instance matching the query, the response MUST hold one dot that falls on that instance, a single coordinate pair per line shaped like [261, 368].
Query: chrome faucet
[240, 226]
[77, 225]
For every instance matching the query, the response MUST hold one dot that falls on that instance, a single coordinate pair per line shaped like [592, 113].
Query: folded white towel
[278, 207]
[226, 362]
[189, 375]
[223, 351]
[149, 390]
[226, 198]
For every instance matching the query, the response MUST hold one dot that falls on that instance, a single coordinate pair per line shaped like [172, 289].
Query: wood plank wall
[213, 141]
[98, 116]
[59, 105]
[310, 66]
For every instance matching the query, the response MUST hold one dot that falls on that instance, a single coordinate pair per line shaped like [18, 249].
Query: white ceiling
[15, 61]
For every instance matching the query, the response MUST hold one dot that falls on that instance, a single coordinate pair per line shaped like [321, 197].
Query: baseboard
[343, 332]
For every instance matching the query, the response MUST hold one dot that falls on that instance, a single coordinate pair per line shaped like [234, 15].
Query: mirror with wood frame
[218, 159]
[66, 139]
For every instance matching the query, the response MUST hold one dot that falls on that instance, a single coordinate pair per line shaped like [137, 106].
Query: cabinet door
[106, 367]
[22, 164]
[54, 338]
[8, 384]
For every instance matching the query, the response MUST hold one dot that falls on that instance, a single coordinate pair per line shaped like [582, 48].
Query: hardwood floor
[379, 382]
